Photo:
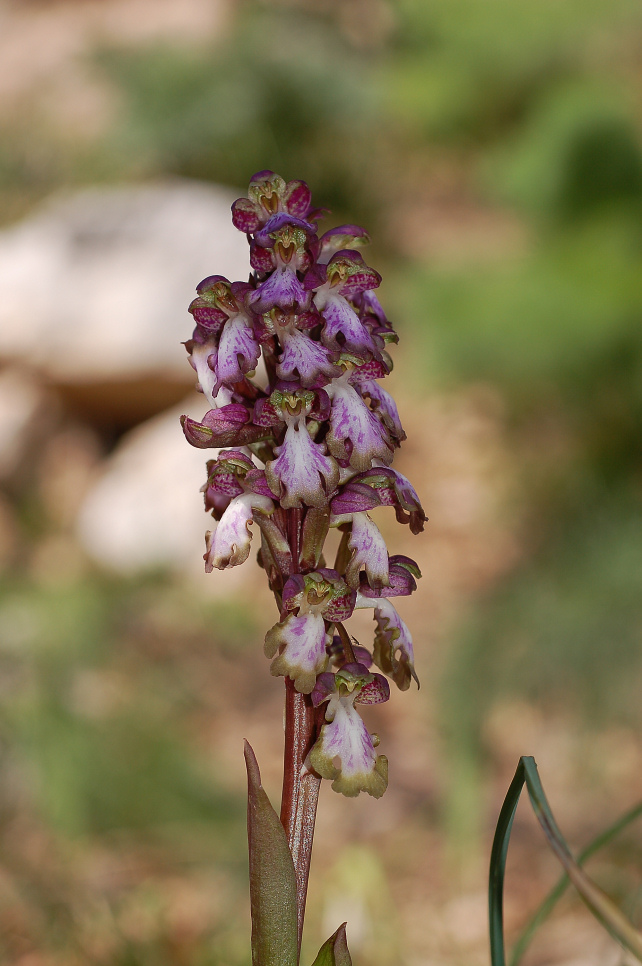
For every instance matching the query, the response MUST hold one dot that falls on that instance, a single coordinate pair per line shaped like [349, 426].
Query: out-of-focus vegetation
[419, 117]
[548, 111]
[108, 796]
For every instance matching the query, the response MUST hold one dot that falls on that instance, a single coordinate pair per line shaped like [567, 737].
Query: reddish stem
[300, 788]
[300, 791]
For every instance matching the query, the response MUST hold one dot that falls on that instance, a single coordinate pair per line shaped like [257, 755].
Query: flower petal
[305, 360]
[300, 641]
[356, 436]
[374, 692]
[392, 636]
[345, 753]
[238, 350]
[229, 545]
[297, 198]
[402, 572]
[281, 288]
[227, 426]
[246, 215]
[355, 497]
[369, 553]
[302, 473]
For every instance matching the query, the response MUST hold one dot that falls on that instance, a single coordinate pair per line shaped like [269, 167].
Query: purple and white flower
[308, 448]
[297, 644]
[344, 751]
[269, 194]
[238, 350]
[302, 473]
[229, 544]
[356, 437]
[393, 649]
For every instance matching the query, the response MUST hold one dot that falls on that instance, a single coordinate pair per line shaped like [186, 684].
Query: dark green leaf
[548, 904]
[600, 905]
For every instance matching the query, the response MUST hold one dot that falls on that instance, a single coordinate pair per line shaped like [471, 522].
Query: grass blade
[598, 902]
[550, 901]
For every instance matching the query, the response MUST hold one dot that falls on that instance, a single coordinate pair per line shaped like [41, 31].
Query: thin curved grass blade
[598, 902]
[550, 901]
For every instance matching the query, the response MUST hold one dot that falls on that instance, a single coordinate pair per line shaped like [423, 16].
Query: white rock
[96, 284]
[146, 511]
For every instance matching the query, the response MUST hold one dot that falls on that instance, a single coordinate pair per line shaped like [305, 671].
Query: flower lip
[229, 545]
[282, 288]
[302, 472]
[297, 646]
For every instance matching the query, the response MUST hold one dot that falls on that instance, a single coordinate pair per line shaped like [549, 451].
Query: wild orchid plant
[290, 364]
[305, 448]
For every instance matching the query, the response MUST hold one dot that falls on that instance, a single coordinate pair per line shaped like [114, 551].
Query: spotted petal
[305, 360]
[369, 553]
[356, 436]
[300, 643]
[238, 350]
[344, 752]
[302, 473]
[281, 288]
[229, 544]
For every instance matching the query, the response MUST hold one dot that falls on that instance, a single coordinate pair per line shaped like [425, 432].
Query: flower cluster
[290, 363]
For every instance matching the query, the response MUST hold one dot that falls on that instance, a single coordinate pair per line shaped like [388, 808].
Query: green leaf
[598, 902]
[334, 952]
[272, 878]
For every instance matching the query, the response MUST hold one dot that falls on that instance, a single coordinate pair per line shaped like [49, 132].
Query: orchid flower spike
[290, 364]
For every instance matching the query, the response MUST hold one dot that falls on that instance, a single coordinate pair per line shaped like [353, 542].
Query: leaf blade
[600, 905]
[334, 951]
[272, 878]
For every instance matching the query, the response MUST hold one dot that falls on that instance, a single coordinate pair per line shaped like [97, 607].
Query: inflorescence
[290, 363]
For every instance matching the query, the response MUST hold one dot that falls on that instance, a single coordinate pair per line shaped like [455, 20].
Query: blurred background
[494, 150]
